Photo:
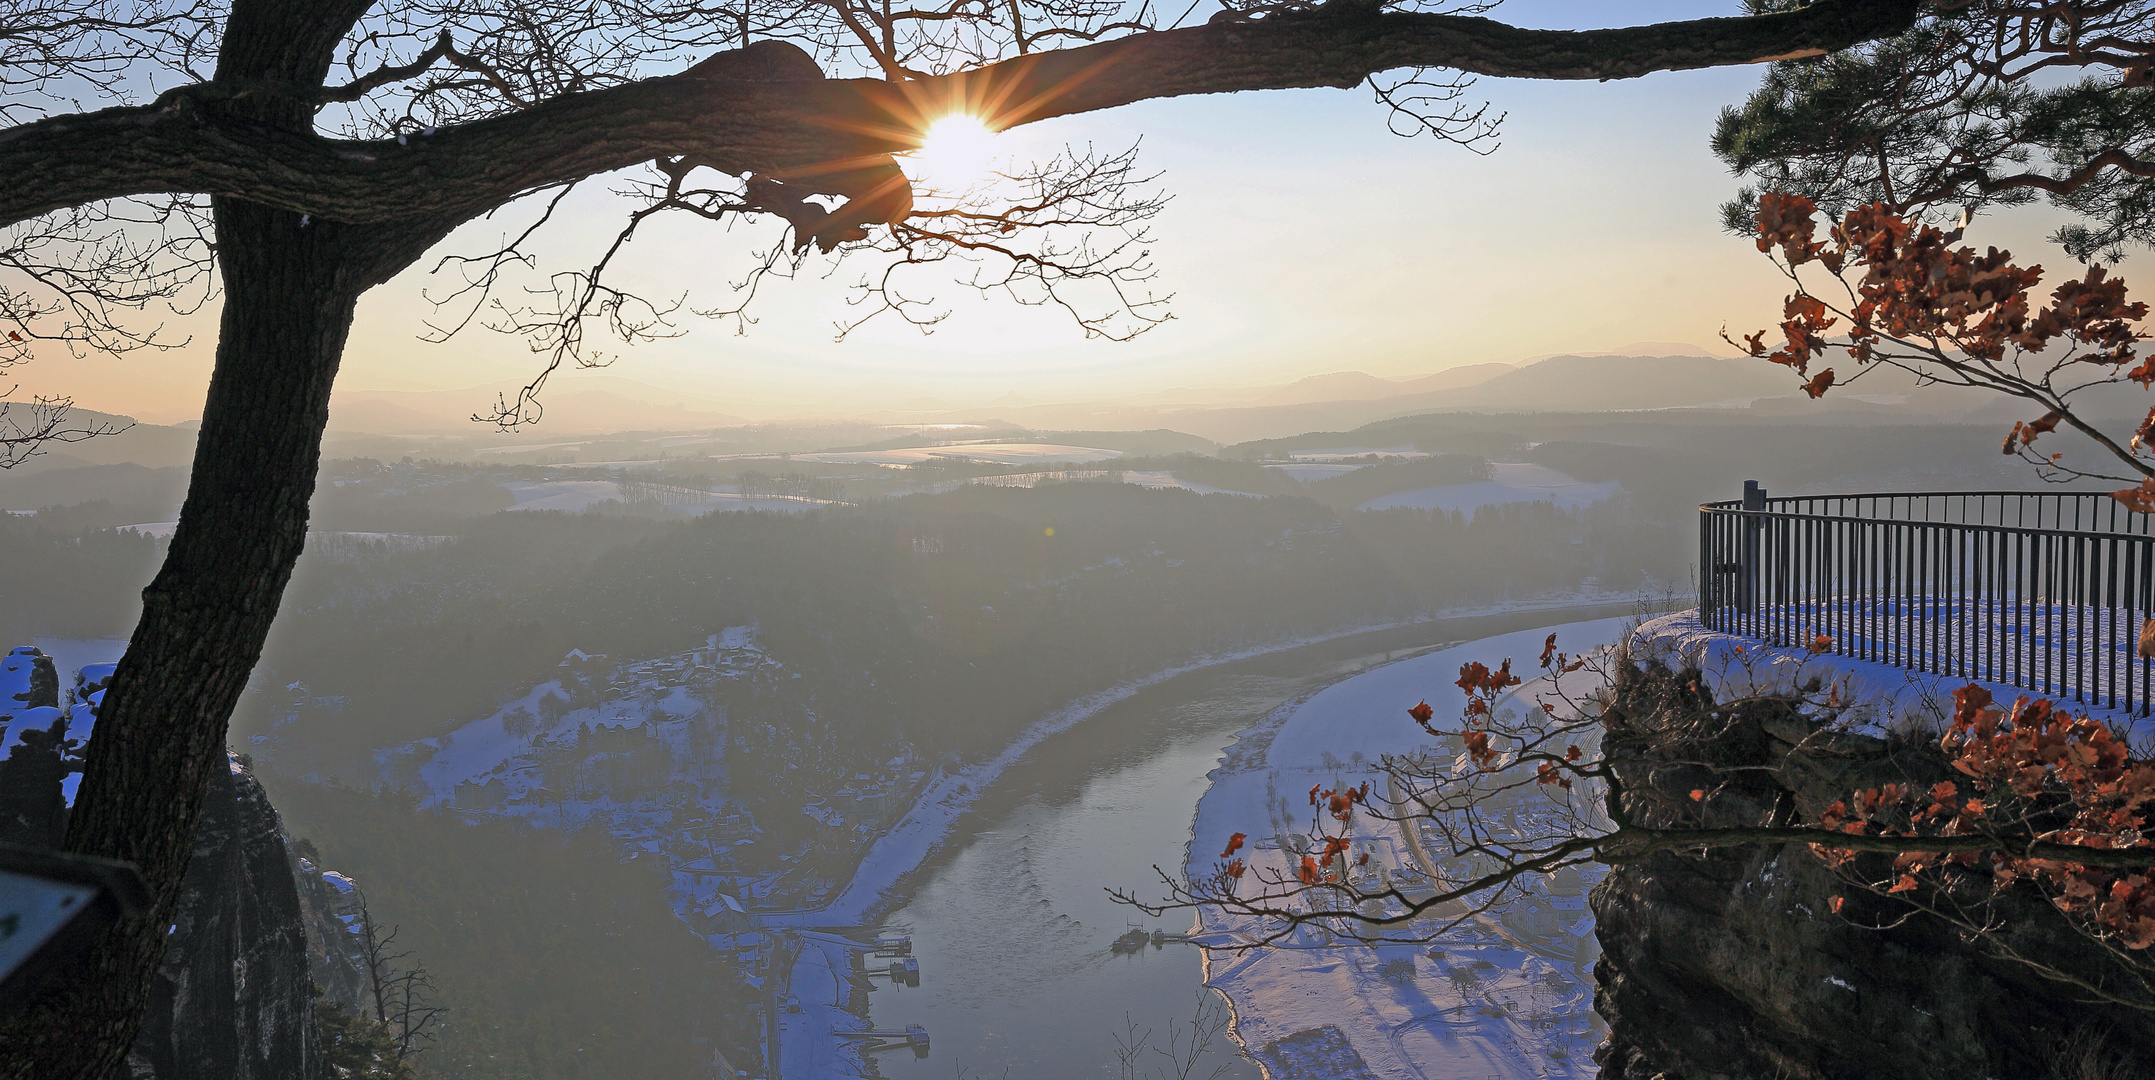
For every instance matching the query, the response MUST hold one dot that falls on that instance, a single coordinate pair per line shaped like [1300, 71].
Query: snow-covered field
[1311, 472]
[1152, 479]
[527, 759]
[1144, 478]
[994, 452]
[1507, 996]
[163, 530]
[576, 496]
[1510, 482]
[1339, 453]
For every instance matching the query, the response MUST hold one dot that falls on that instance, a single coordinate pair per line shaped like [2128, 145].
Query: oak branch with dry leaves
[292, 154]
[1900, 294]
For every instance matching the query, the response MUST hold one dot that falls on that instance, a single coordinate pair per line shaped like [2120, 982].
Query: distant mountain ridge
[385, 423]
[1606, 382]
[1360, 386]
[1611, 383]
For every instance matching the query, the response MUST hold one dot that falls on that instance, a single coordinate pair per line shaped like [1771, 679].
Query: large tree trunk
[289, 295]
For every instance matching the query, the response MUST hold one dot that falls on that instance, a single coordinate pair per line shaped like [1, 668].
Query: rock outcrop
[33, 812]
[257, 927]
[1732, 964]
[234, 997]
[336, 959]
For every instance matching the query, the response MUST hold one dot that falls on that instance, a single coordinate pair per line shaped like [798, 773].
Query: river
[1011, 922]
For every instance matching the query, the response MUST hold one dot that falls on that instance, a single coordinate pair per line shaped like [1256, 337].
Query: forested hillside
[946, 622]
[553, 958]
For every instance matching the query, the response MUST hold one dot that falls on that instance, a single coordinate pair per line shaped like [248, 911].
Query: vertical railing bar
[2108, 612]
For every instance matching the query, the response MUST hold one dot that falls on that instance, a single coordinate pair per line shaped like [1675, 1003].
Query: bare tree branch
[807, 128]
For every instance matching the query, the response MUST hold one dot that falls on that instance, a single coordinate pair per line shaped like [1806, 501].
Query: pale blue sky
[1303, 238]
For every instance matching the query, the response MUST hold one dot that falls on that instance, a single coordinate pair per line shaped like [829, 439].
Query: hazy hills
[1343, 400]
[607, 418]
[1612, 383]
[1357, 386]
[583, 406]
[593, 404]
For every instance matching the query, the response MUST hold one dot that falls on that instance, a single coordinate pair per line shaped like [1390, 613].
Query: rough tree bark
[306, 224]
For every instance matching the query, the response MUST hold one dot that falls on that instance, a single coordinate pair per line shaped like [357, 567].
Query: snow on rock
[1505, 995]
[40, 718]
[30, 700]
[90, 683]
[1881, 697]
[1510, 482]
[28, 679]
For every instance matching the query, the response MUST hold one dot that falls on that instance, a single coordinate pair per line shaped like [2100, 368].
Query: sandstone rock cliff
[234, 998]
[1733, 965]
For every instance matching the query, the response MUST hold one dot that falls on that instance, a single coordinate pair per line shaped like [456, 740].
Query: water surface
[1012, 922]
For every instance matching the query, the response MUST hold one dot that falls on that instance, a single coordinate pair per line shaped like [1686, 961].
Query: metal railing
[2046, 591]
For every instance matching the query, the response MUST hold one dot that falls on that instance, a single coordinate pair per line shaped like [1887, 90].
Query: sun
[956, 152]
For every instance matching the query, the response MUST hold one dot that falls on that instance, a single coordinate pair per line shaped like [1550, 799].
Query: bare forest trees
[401, 991]
[384, 1036]
[291, 155]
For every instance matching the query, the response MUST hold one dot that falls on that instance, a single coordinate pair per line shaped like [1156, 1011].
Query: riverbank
[879, 879]
[887, 875]
[1504, 995]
